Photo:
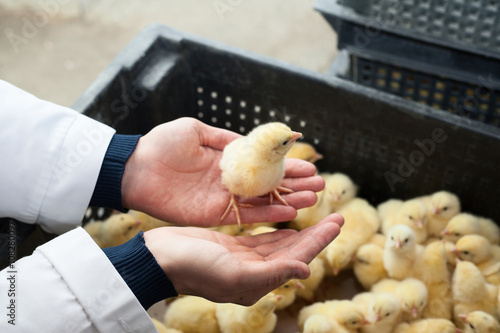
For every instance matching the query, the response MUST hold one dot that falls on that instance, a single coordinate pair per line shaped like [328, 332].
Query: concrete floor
[56, 48]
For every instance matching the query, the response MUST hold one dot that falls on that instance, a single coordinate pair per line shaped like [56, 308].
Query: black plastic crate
[470, 26]
[461, 80]
[372, 136]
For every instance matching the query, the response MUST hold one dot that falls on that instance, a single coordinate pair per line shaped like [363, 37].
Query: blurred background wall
[56, 48]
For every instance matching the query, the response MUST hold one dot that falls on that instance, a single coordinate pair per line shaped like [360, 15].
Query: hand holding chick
[174, 175]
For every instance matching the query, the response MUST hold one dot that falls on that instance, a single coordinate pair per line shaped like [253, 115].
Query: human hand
[174, 175]
[237, 269]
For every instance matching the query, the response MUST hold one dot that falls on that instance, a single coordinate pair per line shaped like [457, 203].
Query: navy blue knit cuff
[140, 270]
[107, 192]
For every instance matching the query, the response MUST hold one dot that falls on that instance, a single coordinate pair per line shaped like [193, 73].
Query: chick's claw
[234, 205]
[276, 194]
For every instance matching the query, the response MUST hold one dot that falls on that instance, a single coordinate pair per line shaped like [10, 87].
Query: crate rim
[331, 7]
[146, 38]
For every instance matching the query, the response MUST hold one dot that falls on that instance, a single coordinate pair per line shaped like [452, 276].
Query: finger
[268, 237]
[311, 183]
[298, 168]
[216, 138]
[308, 243]
[314, 239]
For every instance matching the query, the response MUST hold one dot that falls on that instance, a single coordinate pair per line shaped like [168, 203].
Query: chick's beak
[445, 232]
[398, 244]
[420, 223]
[365, 321]
[316, 157]
[463, 316]
[137, 223]
[414, 312]
[295, 136]
[377, 318]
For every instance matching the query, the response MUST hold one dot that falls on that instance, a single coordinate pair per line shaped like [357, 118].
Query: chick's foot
[234, 205]
[276, 194]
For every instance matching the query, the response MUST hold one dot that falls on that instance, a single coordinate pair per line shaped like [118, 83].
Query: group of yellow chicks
[425, 267]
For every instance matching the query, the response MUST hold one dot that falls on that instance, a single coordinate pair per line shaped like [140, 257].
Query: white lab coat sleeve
[51, 158]
[69, 285]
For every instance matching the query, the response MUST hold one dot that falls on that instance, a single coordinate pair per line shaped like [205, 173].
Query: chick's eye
[410, 217]
[445, 208]
[471, 326]
[354, 322]
[457, 234]
[129, 228]
[387, 314]
[285, 143]
[406, 240]
[466, 252]
[344, 191]
[286, 286]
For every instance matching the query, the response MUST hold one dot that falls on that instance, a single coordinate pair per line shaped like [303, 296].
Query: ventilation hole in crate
[243, 104]
[440, 85]
[316, 141]
[214, 107]
[438, 96]
[395, 85]
[302, 123]
[484, 94]
[228, 124]
[243, 116]
[256, 121]
[200, 102]
[410, 78]
[272, 113]
[469, 92]
[100, 213]
[199, 90]
[366, 78]
[455, 89]
[396, 75]
[214, 120]
[214, 94]
[228, 99]
[257, 109]
[88, 213]
[410, 90]
[287, 118]
[380, 82]
[454, 99]
[242, 129]
[228, 112]
[381, 71]
[200, 115]
[424, 93]
[436, 106]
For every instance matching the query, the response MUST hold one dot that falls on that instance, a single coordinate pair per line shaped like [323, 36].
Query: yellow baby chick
[254, 165]
[412, 213]
[317, 268]
[287, 292]
[431, 267]
[378, 239]
[412, 294]
[369, 265]
[114, 231]
[428, 326]
[441, 207]
[162, 328]
[468, 224]
[192, 314]
[148, 222]
[345, 313]
[318, 323]
[414, 297]
[339, 190]
[400, 251]
[361, 223]
[258, 318]
[471, 292]
[479, 322]
[383, 310]
[304, 151]
[478, 250]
